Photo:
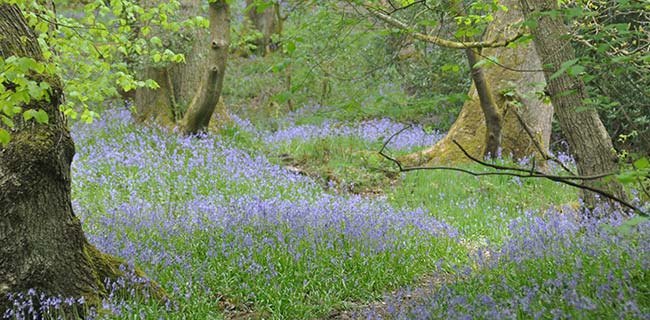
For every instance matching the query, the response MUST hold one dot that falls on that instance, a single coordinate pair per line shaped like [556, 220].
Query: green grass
[172, 205]
[155, 199]
[347, 164]
[479, 206]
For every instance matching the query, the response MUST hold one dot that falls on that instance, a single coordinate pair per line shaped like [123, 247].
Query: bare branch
[562, 179]
[508, 171]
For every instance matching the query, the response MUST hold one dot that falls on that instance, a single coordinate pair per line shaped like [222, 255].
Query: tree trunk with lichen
[179, 82]
[207, 96]
[42, 244]
[588, 139]
[469, 129]
[267, 21]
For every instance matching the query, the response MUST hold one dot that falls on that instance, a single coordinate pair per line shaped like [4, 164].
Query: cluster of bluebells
[123, 295]
[402, 137]
[559, 266]
[372, 131]
[208, 218]
[34, 305]
[173, 204]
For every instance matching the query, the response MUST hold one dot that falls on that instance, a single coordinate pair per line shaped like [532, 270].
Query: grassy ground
[296, 216]
[307, 223]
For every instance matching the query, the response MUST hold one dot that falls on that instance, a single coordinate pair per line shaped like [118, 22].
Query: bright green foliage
[88, 48]
[17, 88]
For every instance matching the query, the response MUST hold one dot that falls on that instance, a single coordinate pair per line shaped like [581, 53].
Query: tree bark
[590, 143]
[268, 22]
[179, 82]
[42, 244]
[488, 106]
[203, 105]
[470, 130]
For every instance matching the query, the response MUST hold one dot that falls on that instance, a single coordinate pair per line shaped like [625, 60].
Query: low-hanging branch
[494, 43]
[531, 172]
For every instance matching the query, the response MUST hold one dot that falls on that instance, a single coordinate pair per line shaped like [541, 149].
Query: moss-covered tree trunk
[42, 244]
[590, 143]
[179, 82]
[523, 72]
[267, 21]
[207, 96]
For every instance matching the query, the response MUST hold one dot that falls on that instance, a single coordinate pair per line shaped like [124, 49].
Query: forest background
[299, 159]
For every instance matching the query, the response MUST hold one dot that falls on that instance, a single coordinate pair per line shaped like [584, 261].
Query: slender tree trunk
[203, 105]
[268, 22]
[470, 130]
[589, 141]
[488, 106]
[42, 244]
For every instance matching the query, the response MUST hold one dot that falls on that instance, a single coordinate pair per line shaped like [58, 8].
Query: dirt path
[381, 310]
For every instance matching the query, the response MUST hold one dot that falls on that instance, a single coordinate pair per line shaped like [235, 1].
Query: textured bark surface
[42, 244]
[205, 101]
[267, 22]
[590, 143]
[470, 128]
[179, 82]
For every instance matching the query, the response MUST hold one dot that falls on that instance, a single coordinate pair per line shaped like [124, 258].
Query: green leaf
[7, 121]
[41, 116]
[563, 68]
[29, 114]
[290, 47]
[282, 97]
[642, 163]
[451, 67]
[151, 84]
[4, 137]
[261, 7]
[156, 41]
[627, 177]
[576, 70]
[627, 226]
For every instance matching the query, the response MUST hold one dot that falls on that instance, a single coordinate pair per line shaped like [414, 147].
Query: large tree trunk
[267, 21]
[42, 245]
[469, 130]
[590, 143]
[179, 82]
[205, 101]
